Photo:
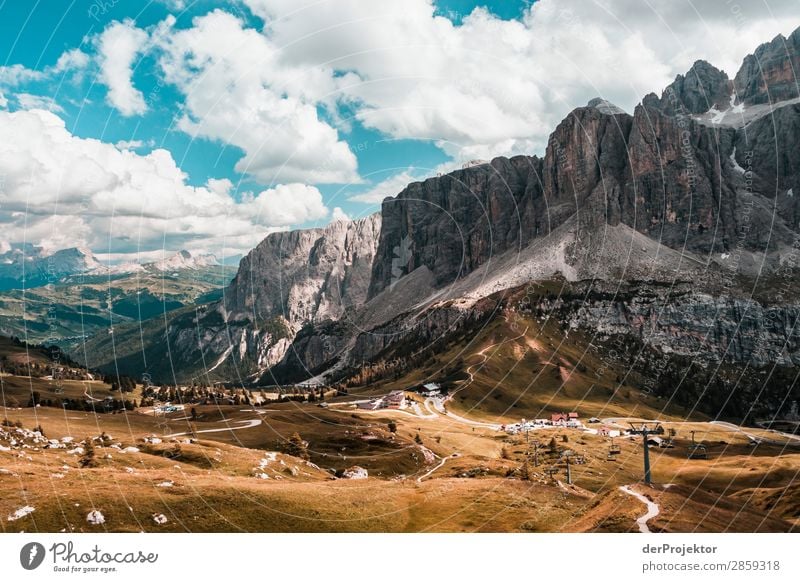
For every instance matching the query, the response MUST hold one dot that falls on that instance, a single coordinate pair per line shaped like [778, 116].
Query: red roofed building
[395, 399]
[563, 417]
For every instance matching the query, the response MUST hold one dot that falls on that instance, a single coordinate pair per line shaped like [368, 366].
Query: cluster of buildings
[556, 420]
[568, 419]
[608, 431]
[565, 420]
[395, 400]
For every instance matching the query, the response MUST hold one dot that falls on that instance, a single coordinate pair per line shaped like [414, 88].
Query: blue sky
[324, 107]
[23, 41]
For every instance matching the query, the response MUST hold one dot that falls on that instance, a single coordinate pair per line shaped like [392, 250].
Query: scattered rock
[160, 518]
[355, 472]
[21, 512]
[95, 517]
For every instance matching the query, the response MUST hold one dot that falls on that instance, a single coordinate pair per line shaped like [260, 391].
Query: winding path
[441, 463]
[89, 396]
[482, 354]
[244, 424]
[794, 440]
[652, 508]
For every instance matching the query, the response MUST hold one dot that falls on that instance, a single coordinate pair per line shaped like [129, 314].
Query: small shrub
[87, 460]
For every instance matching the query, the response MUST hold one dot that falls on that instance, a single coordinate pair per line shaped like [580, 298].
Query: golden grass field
[225, 471]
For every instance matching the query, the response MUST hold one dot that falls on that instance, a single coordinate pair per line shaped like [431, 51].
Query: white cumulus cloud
[237, 91]
[61, 190]
[13, 75]
[286, 204]
[339, 215]
[118, 47]
[71, 60]
[30, 101]
[488, 86]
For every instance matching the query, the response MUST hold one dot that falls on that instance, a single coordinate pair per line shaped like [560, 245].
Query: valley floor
[445, 463]
[224, 474]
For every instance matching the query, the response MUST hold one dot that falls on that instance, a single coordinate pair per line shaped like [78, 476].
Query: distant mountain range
[69, 295]
[28, 266]
[180, 261]
[25, 265]
[676, 226]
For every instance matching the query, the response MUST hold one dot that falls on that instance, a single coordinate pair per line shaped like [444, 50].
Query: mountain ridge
[668, 194]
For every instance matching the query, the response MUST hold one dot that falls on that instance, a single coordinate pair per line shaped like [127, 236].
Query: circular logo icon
[31, 555]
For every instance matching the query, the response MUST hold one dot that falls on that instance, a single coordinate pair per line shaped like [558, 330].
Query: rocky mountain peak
[604, 106]
[306, 275]
[770, 74]
[184, 260]
[702, 88]
[71, 261]
[32, 266]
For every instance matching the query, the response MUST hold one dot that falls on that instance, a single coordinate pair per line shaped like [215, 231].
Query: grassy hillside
[228, 471]
[83, 306]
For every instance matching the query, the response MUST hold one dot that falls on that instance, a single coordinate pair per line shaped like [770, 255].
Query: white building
[431, 389]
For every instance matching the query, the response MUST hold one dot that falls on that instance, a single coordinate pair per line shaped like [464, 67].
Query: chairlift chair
[613, 451]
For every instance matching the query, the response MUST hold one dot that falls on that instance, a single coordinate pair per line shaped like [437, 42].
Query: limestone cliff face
[291, 279]
[680, 188]
[767, 148]
[452, 224]
[305, 276]
[683, 321]
[585, 164]
[684, 183]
